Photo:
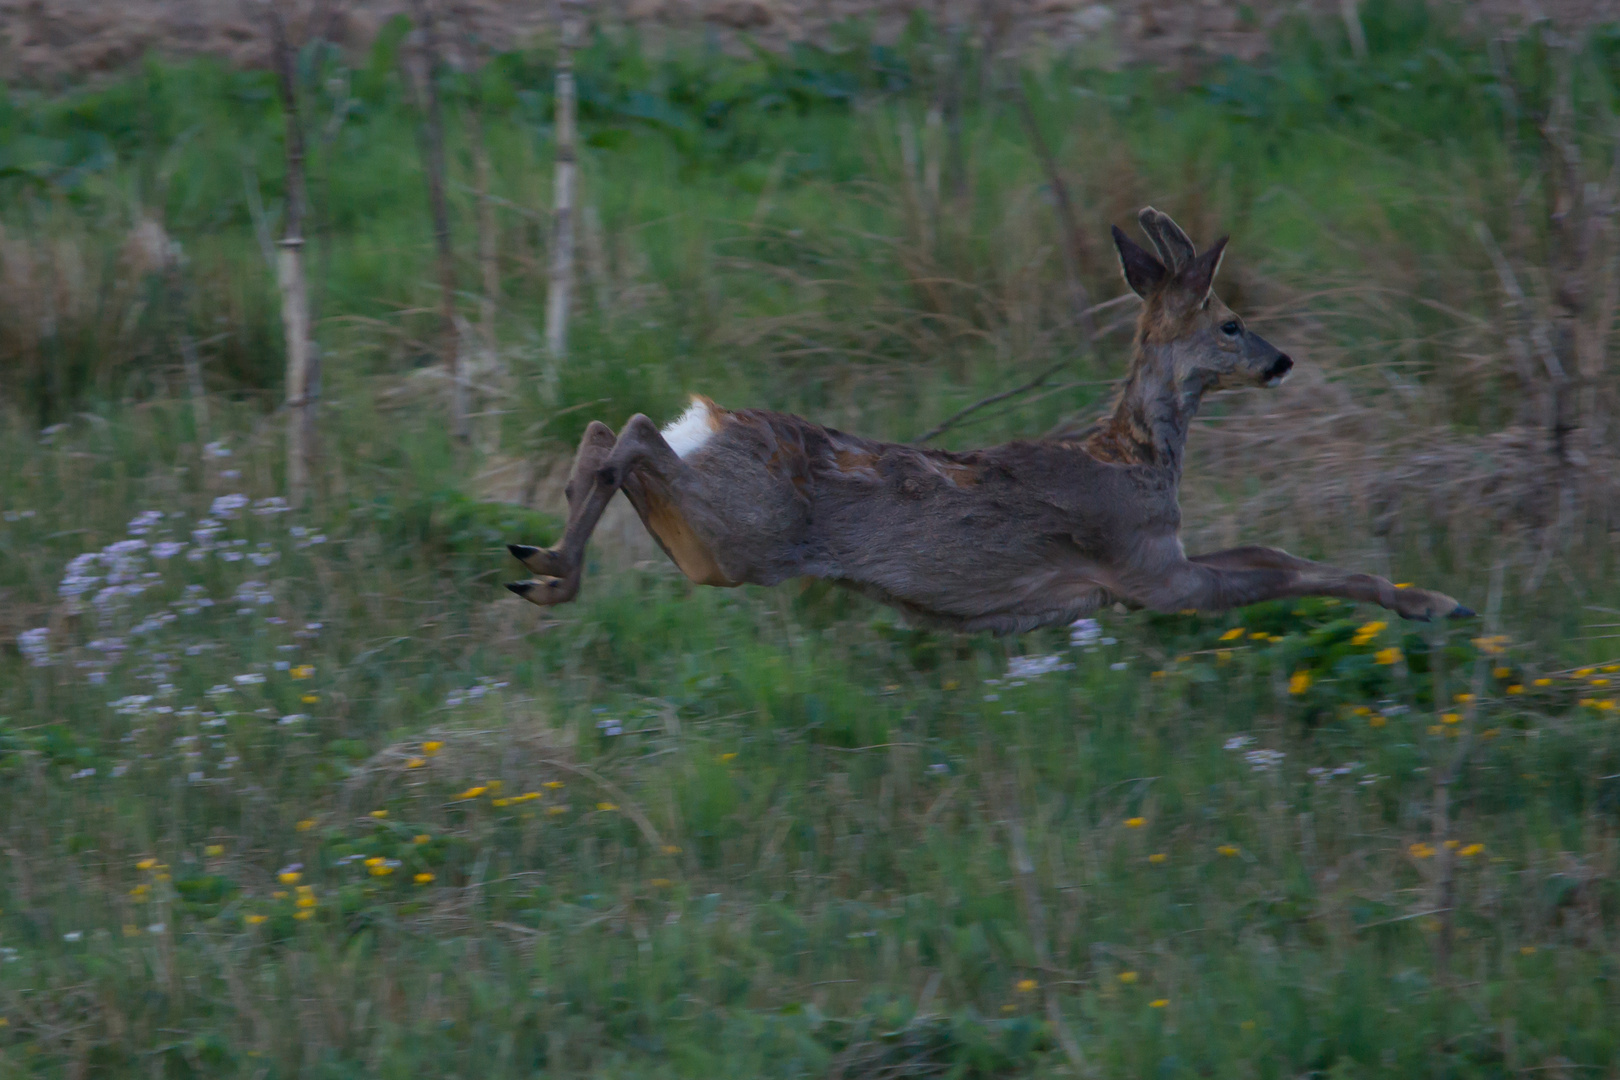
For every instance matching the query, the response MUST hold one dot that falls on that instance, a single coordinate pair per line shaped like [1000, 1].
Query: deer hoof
[542, 561]
[1461, 612]
[545, 592]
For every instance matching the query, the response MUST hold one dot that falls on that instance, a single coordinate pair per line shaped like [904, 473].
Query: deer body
[1008, 538]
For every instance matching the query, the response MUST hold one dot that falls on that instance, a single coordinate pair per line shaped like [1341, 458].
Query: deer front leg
[1248, 575]
[599, 471]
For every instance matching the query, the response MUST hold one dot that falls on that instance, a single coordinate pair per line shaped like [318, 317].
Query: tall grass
[297, 793]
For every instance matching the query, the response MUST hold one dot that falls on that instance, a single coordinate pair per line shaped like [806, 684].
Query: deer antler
[1175, 249]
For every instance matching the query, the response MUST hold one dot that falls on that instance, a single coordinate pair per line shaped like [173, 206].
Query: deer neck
[1155, 409]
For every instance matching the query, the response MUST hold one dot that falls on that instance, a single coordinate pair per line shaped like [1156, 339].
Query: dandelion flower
[1157, 857]
[1259, 635]
[304, 914]
[1228, 850]
[1471, 850]
[423, 878]
[381, 871]
[1377, 720]
[1388, 656]
[254, 920]
[555, 810]
[432, 747]
[607, 806]
[1453, 845]
[1515, 689]
[1463, 699]
[379, 814]
[553, 784]
[661, 883]
[1127, 977]
[1450, 718]
[499, 802]
[472, 793]
[146, 864]
[1135, 822]
[422, 838]
[1403, 584]
[310, 699]
[1542, 682]
[306, 825]
[731, 756]
[1026, 986]
[1299, 682]
[307, 901]
[289, 877]
[415, 763]
[303, 671]
[1159, 1003]
[1420, 850]
[1502, 672]
[1157, 675]
[1232, 634]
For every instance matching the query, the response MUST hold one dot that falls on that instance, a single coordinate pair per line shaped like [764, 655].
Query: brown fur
[1005, 539]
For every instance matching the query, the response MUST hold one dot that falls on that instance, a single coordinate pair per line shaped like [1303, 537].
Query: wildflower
[1135, 822]
[1127, 977]
[146, 864]
[1377, 720]
[303, 671]
[1026, 986]
[1471, 850]
[607, 806]
[1388, 656]
[1610, 668]
[423, 878]
[1515, 689]
[1157, 857]
[306, 824]
[307, 901]
[1232, 634]
[1491, 646]
[310, 699]
[1600, 682]
[499, 802]
[1605, 706]
[415, 763]
[1463, 699]
[1274, 638]
[303, 914]
[73, 935]
[1501, 672]
[252, 678]
[432, 747]
[1299, 682]
[1259, 635]
[555, 810]
[1263, 760]
[661, 883]
[1403, 584]
[1228, 850]
[138, 893]
[1237, 742]
[1542, 682]
[671, 849]
[214, 850]
[1157, 675]
[1453, 845]
[472, 792]
[1159, 1003]
[421, 838]
[1527, 950]
[1420, 850]
[1581, 673]
[1450, 718]
[289, 877]
[728, 757]
[379, 814]
[552, 784]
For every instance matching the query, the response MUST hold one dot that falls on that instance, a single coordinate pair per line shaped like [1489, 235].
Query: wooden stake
[290, 274]
[562, 233]
[433, 159]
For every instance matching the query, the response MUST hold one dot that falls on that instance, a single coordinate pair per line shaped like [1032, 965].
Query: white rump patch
[694, 428]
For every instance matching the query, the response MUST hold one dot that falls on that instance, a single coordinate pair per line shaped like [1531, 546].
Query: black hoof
[522, 588]
[521, 552]
[1461, 612]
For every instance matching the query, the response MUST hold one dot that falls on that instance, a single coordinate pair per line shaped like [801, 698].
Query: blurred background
[304, 306]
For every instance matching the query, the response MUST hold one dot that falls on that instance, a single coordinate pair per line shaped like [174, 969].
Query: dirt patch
[53, 42]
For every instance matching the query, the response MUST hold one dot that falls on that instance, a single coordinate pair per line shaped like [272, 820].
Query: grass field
[303, 792]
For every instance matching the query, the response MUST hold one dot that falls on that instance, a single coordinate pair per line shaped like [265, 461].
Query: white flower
[35, 645]
[1084, 633]
[217, 450]
[1237, 742]
[273, 505]
[1033, 667]
[73, 935]
[226, 506]
[252, 678]
[167, 549]
[1264, 760]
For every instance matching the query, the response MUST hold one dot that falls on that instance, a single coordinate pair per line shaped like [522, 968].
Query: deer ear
[1175, 248]
[1143, 273]
[1197, 276]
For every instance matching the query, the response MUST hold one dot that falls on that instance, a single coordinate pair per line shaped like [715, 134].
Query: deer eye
[1231, 328]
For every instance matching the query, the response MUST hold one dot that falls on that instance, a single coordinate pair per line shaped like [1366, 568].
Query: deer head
[1203, 342]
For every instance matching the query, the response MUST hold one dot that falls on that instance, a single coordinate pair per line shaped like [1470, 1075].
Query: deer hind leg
[603, 467]
[1247, 575]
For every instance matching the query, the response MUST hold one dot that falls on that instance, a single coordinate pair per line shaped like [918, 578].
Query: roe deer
[1004, 539]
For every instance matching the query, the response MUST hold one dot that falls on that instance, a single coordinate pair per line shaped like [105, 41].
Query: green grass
[677, 831]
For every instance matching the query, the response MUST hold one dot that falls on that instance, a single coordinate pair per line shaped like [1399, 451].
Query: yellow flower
[279, 894]
[1223, 656]
[1127, 977]
[1135, 822]
[1450, 718]
[472, 793]
[1403, 584]
[254, 920]
[1515, 688]
[1502, 672]
[1388, 656]
[1527, 950]
[1600, 682]
[1361, 710]
[1157, 675]
[1471, 850]
[671, 849]
[1610, 668]
[1299, 682]
[146, 864]
[310, 699]
[214, 850]
[423, 878]
[303, 889]
[1228, 850]
[304, 914]
[555, 810]
[1581, 673]
[303, 671]
[1605, 705]
[607, 806]
[1463, 699]
[661, 883]
[1420, 850]
[307, 901]
[1377, 720]
[381, 871]
[376, 860]
[1542, 682]
[432, 747]
[499, 802]
[306, 825]
[731, 756]
[415, 763]
[1259, 635]
[139, 893]
[1159, 1003]
[422, 838]
[552, 784]
[379, 814]
[289, 877]
[1157, 857]
[1026, 986]
[1274, 638]
[1452, 845]
[1232, 634]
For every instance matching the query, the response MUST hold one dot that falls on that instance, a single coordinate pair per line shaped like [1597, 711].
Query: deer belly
[679, 540]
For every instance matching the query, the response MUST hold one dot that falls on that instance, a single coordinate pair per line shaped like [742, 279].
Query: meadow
[301, 791]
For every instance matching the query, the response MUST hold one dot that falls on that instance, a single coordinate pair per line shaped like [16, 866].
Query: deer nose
[1279, 368]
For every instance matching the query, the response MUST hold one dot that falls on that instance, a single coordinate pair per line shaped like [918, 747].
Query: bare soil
[56, 42]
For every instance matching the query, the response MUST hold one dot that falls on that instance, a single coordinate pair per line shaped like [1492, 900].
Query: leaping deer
[1005, 539]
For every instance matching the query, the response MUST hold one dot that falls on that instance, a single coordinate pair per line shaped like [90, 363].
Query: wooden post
[433, 159]
[562, 233]
[290, 274]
